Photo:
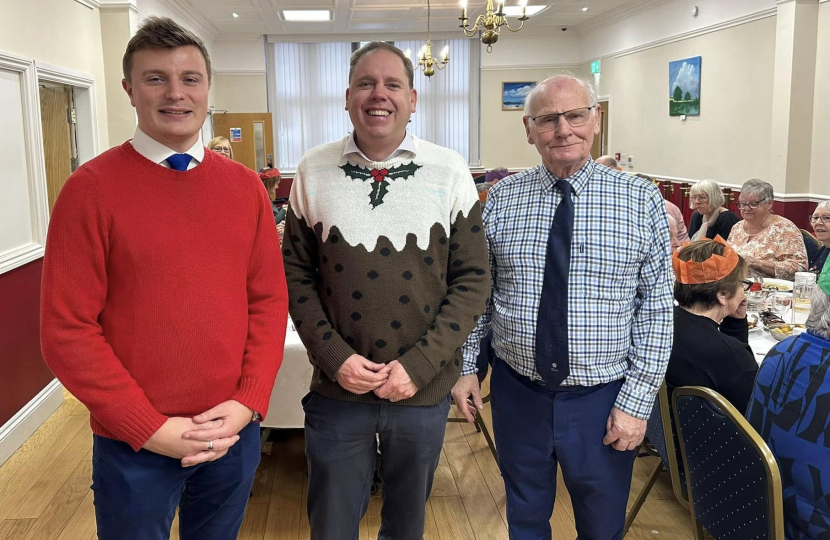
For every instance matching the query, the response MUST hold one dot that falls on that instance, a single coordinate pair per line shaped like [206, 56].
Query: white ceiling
[257, 17]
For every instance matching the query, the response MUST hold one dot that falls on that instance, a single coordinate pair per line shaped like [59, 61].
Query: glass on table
[781, 304]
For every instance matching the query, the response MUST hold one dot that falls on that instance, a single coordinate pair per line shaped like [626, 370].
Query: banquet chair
[733, 479]
[659, 423]
[811, 244]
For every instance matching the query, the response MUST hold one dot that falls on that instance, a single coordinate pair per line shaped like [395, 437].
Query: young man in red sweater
[164, 306]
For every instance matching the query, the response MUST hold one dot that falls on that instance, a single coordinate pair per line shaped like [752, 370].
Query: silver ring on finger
[210, 446]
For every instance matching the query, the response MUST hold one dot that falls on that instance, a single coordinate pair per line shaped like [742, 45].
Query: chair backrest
[812, 245]
[734, 481]
[659, 424]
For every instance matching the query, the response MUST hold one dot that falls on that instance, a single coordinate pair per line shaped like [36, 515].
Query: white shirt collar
[158, 153]
[407, 145]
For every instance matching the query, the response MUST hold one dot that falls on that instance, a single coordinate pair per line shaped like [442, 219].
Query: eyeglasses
[700, 197]
[574, 117]
[752, 205]
[222, 149]
[747, 283]
[823, 219]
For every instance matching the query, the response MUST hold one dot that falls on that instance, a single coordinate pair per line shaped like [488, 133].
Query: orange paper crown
[712, 269]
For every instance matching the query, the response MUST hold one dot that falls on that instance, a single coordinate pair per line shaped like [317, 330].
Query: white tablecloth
[761, 342]
[285, 409]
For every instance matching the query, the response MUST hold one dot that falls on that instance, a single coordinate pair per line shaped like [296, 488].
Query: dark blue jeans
[341, 449]
[136, 493]
[537, 428]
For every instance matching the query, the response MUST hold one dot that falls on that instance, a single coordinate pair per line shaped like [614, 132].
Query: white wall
[730, 140]
[239, 80]
[664, 20]
[532, 51]
[820, 169]
[239, 55]
[63, 33]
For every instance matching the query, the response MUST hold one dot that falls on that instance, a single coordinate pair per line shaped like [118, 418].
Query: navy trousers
[136, 493]
[341, 448]
[535, 429]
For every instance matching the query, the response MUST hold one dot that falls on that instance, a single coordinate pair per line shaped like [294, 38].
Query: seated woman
[820, 220]
[222, 146]
[271, 179]
[710, 219]
[791, 411]
[710, 328]
[772, 245]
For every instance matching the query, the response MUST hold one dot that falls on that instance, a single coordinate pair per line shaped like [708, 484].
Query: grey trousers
[341, 449]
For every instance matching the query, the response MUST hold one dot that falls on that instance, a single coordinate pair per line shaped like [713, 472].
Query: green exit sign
[595, 67]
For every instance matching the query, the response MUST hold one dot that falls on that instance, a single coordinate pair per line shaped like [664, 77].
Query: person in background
[387, 271]
[494, 175]
[791, 410]
[673, 211]
[675, 243]
[820, 220]
[608, 161]
[711, 334]
[710, 219]
[772, 245]
[271, 179]
[164, 306]
[222, 146]
[582, 340]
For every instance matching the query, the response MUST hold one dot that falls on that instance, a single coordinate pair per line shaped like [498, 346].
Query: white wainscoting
[22, 425]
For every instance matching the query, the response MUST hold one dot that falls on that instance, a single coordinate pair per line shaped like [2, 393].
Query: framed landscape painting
[684, 87]
[513, 95]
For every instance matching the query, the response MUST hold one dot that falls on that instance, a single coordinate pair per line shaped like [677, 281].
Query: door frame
[607, 141]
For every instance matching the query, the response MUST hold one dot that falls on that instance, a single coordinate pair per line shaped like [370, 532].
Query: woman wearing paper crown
[710, 329]
[790, 408]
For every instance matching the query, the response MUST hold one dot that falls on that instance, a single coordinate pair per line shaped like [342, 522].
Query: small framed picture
[513, 95]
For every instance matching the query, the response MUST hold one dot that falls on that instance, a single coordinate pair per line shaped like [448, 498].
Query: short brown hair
[705, 295]
[382, 46]
[161, 33]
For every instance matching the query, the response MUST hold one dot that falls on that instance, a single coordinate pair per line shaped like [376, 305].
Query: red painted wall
[22, 371]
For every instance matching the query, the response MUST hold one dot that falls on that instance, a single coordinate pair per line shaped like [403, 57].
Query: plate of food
[777, 285]
[754, 323]
[783, 331]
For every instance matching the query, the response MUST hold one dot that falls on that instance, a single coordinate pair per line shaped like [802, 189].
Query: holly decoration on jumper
[379, 178]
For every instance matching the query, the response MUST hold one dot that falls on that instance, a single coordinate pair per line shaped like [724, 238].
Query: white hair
[711, 189]
[587, 87]
[824, 205]
[819, 319]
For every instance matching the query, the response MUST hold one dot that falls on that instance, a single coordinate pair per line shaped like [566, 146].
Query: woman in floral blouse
[771, 244]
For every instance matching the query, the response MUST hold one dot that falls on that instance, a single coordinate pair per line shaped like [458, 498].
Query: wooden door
[257, 138]
[55, 103]
[600, 146]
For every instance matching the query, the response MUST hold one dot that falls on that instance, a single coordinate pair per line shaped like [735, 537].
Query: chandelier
[491, 22]
[425, 60]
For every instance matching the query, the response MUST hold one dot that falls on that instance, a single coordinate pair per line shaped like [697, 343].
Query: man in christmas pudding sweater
[164, 306]
[387, 272]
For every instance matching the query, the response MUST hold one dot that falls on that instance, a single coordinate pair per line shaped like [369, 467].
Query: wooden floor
[45, 495]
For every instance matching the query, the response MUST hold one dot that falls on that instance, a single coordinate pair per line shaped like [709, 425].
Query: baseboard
[22, 425]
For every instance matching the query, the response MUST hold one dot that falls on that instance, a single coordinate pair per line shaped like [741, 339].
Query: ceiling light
[585, 9]
[515, 11]
[235, 15]
[307, 15]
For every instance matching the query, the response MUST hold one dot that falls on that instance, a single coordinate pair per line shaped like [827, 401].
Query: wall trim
[118, 5]
[19, 256]
[91, 4]
[22, 425]
[752, 17]
[502, 67]
[35, 162]
[781, 197]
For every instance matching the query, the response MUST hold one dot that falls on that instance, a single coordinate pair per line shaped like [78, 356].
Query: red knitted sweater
[163, 291]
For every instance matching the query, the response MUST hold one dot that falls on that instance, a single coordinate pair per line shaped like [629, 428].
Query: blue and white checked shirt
[620, 287]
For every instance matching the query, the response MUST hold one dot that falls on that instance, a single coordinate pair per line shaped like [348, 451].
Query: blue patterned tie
[179, 162]
[552, 319]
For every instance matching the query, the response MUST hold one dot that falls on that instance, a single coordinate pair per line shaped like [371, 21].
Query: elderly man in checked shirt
[581, 320]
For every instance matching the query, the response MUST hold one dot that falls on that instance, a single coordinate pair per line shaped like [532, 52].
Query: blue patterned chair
[734, 481]
[659, 423]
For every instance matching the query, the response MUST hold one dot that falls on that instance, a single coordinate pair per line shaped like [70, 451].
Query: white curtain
[307, 88]
[309, 97]
[447, 111]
